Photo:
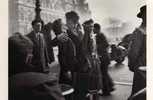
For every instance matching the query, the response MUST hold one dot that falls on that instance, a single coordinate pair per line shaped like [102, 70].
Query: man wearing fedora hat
[137, 54]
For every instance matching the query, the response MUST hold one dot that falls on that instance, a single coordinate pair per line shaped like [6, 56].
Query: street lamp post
[37, 10]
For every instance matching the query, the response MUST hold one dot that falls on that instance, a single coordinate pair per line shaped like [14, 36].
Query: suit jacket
[102, 44]
[40, 54]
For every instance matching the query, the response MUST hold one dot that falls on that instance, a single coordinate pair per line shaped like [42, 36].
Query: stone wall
[21, 12]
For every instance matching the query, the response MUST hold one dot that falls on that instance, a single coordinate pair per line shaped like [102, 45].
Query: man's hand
[63, 37]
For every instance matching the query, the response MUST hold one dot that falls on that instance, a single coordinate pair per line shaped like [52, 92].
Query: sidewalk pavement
[122, 92]
[120, 74]
[122, 78]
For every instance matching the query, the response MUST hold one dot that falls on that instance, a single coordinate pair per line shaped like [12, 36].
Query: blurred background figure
[102, 48]
[92, 70]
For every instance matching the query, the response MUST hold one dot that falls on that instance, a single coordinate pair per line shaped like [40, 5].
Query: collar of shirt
[37, 35]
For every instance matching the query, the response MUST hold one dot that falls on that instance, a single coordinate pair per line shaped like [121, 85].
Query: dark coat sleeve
[67, 56]
[102, 44]
[54, 42]
[136, 50]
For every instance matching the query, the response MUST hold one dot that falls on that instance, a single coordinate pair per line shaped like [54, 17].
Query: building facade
[22, 12]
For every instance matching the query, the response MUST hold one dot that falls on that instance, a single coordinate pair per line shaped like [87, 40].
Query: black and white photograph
[77, 49]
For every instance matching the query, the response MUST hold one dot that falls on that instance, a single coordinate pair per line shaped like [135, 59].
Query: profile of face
[63, 28]
[88, 28]
[95, 30]
[142, 14]
[71, 24]
[37, 27]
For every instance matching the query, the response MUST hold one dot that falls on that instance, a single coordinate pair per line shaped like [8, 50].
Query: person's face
[89, 28]
[142, 15]
[63, 28]
[95, 30]
[71, 24]
[37, 27]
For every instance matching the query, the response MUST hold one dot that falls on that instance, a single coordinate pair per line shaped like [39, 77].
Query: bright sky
[126, 10]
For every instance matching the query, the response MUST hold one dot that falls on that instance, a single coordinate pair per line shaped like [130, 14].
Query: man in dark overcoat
[75, 34]
[137, 54]
[102, 47]
[66, 52]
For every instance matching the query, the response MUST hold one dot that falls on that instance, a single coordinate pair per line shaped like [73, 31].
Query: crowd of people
[82, 54]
